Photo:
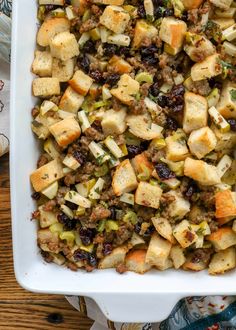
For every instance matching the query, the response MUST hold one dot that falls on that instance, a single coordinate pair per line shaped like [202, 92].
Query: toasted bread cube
[192, 4]
[208, 68]
[47, 218]
[63, 70]
[113, 122]
[158, 251]
[46, 174]
[127, 87]
[110, 2]
[176, 150]
[64, 46]
[225, 141]
[124, 179]
[195, 112]
[224, 4]
[142, 31]
[179, 207]
[185, 234]
[71, 101]
[115, 19]
[224, 23]
[222, 261]
[135, 261]
[163, 227]
[199, 47]
[223, 238]
[177, 256]
[42, 64]
[141, 164]
[172, 31]
[227, 103]
[116, 257]
[65, 131]
[195, 264]
[225, 204]
[148, 195]
[81, 82]
[201, 142]
[202, 172]
[119, 65]
[48, 241]
[50, 28]
[46, 87]
[142, 127]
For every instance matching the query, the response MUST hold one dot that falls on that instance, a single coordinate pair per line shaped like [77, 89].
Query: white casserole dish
[129, 297]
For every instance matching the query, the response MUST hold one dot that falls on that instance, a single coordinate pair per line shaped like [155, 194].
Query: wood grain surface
[20, 309]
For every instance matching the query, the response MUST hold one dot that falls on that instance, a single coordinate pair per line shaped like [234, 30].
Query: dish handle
[136, 308]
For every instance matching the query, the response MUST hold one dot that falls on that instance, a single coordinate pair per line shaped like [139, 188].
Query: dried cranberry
[141, 11]
[84, 63]
[159, 12]
[137, 227]
[184, 16]
[36, 196]
[80, 255]
[96, 75]
[124, 51]
[107, 248]
[162, 100]
[72, 206]
[50, 7]
[178, 108]
[92, 260]
[191, 189]
[134, 150]
[68, 223]
[89, 47]
[232, 123]
[79, 156]
[213, 83]
[164, 172]
[113, 212]
[112, 79]
[169, 12]
[149, 231]
[109, 49]
[154, 89]
[148, 54]
[171, 124]
[86, 235]
[177, 90]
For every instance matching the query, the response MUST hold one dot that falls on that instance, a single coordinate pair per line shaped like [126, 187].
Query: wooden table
[20, 309]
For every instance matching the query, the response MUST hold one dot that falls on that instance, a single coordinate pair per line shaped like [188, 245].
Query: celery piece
[144, 77]
[87, 15]
[101, 171]
[111, 225]
[101, 225]
[144, 175]
[89, 248]
[130, 216]
[68, 236]
[56, 228]
[80, 211]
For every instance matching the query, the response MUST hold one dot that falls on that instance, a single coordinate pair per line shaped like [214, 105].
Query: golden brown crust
[225, 204]
[65, 131]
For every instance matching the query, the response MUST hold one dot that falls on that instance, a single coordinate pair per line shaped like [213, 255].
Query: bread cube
[177, 256]
[224, 23]
[46, 174]
[185, 234]
[113, 122]
[172, 31]
[202, 172]
[176, 149]
[65, 131]
[163, 227]
[110, 2]
[124, 179]
[208, 68]
[50, 28]
[225, 141]
[135, 261]
[140, 126]
[222, 261]
[42, 64]
[71, 101]
[201, 142]
[148, 195]
[158, 251]
[227, 103]
[141, 164]
[48, 241]
[118, 65]
[166, 264]
[127, 87]
[115, 19]
[192, 4]
[46, 87]
[115, 258]
[195, 264]
[223, 238]
[64, 46]
[63, 70]
[142, 31]
[225, 204]
[47, 218]
[224, 4]
[179, 207]
[198, 47]
[195, 112]
[81, 82]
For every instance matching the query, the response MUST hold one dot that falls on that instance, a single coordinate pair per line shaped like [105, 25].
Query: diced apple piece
[135, 262]
[74, 197]
[201, 171]
[224, 23]
[223, 238]
[143, 30]
[163, 227]
[136, 240]
[65, 131]
[116, 257]
[177, 256]
[48, 241]
[51, 191]
[185, 234]
[208, 68]
[113, 122]
[47, 218]
[201, 142]
[158, 251]
[71, 162]
[148, 195]
[124, 179]
[222, 261]
[227, 103]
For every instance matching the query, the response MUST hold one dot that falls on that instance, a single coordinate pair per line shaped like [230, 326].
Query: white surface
[129, 297]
